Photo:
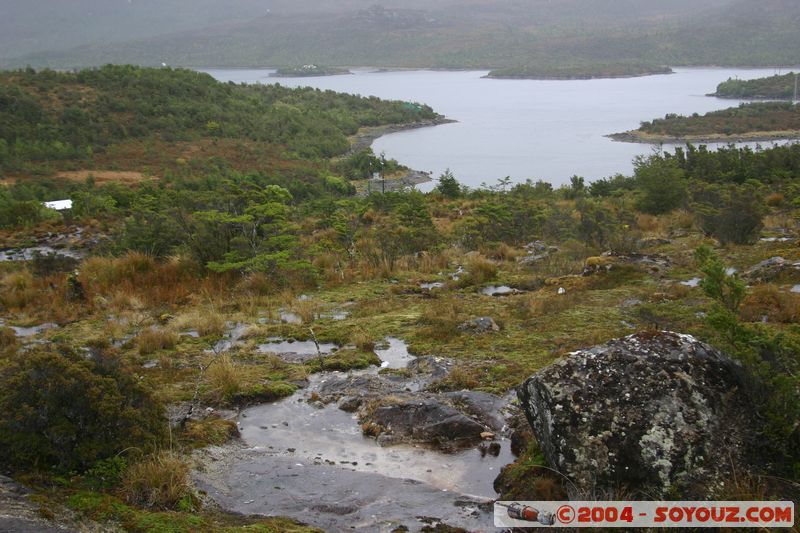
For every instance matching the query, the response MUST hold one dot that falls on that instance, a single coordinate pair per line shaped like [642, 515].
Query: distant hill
[521, 34]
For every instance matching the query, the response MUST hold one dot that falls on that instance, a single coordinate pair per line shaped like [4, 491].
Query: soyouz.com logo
[644, 514]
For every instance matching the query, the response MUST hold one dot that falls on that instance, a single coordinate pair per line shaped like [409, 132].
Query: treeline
[579, 72]
[779, 87]
[48, 115]
[747, 118]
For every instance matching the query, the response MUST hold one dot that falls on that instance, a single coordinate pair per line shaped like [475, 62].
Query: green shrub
[730, 213]
[60, 411]
[662, 183]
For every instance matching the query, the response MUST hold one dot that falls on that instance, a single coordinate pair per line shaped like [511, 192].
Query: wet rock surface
[653, 412]
[428, 420]
[307, 456]
[71, 244]
[18, 514]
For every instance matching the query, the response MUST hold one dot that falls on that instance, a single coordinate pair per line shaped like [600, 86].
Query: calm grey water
[548, 130]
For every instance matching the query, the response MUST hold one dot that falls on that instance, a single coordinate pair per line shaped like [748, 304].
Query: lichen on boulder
[653, 414]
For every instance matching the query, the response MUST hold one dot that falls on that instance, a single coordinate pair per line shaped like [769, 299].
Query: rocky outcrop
[428, 420]
[19, 514]
[652, 263]
[537, 251]
[396, 406]
[653, 414]
[484, 324]
[771, 269]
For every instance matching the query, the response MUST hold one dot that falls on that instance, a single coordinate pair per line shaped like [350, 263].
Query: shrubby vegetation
[779, 87]
[747, 118]
[47, 115]
[771, 360]
[63, 413]
[579, 72]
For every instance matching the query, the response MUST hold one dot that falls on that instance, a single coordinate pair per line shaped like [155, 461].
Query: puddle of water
[336, 499]
[317, 435]
[431, 286]
[291, 318]
[26, 254]
[193, 333]
[796, 289]
[304, 457]
[32, 331]
[776, 239]
[395, 354]
[694, 282]
[731, 271]
[296, 351]
[502, 290]
[231, 338]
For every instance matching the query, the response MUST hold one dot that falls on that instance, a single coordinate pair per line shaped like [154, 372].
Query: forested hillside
[485, 34]
[50, 116]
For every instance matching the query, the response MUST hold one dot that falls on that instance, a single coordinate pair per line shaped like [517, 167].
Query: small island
[308, 71]
[779, 87]
[747, 123]
[575, 72]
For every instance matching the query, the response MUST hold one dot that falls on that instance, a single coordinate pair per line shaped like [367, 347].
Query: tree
[730, 213]
[448, 185]
[576, 189]
[662, 184]
[597, 225]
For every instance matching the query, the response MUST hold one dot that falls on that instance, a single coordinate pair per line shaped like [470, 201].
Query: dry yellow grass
[205, 321]
[773, 303]
[160, 481]
[224, 378]
[151, 340]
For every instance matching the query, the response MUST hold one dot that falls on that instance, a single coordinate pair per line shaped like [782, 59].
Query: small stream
[311, 462]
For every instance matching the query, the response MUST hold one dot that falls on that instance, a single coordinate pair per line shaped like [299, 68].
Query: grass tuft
[160, 481]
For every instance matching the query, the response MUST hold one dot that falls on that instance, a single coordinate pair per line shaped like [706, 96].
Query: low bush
[60, 411]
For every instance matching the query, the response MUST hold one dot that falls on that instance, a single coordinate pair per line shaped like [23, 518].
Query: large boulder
[654, 414]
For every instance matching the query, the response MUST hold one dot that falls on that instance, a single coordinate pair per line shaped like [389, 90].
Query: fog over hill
[411, 33]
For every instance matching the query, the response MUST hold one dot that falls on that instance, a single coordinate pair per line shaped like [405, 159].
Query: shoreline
[411, 177]
[364, 138]
[750, 98]
[635, 136]
[310, 74]
[577, 77]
